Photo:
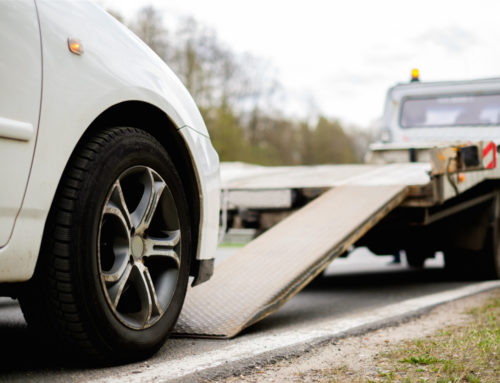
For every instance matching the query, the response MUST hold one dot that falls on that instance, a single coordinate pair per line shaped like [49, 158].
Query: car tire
[81, 295]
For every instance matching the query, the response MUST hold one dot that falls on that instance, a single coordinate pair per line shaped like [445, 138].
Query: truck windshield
[451, 111]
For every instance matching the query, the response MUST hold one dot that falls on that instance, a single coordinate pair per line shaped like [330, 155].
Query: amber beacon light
[75, 46]
[414, 75]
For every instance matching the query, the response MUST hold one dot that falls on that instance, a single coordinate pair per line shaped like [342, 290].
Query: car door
[20, 96]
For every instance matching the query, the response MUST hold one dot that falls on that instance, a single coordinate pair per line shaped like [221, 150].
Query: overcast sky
[345, 54]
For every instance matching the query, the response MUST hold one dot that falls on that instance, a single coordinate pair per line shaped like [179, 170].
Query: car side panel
[20, 92]
[115, 67]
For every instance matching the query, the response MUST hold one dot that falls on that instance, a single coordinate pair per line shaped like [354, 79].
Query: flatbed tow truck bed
[343, 202]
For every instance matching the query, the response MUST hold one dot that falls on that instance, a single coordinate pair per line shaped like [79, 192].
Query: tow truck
[430, 184]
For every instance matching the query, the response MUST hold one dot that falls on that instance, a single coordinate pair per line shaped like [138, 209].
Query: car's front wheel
[114, 264]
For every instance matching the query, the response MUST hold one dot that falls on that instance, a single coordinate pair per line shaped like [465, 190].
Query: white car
[109, 184]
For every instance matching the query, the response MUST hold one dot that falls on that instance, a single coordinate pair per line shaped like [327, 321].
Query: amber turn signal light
[75, 46]
[414, 75]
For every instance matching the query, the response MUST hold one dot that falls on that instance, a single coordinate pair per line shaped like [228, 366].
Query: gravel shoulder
[362, 358]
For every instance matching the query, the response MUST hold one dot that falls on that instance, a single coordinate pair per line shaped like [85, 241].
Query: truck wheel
[457, 262]
[114, 264]
[416, 257]
[488, 259]
[477, 265]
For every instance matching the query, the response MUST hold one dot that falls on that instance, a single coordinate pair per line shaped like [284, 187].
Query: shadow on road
[335, 296]
[382, 279]
[22, 352]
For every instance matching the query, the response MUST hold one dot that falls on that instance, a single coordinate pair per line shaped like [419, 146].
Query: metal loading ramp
[267, 272]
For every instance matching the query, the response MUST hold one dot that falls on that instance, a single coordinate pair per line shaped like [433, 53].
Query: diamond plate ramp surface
[268, 271]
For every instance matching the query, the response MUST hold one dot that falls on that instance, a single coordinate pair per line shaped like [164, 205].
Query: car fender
[116, 67]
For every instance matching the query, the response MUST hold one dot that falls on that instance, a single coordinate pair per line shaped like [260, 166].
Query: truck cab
[420, 116]
[442, 111]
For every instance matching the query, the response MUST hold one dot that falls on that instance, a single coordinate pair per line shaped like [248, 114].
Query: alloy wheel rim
[139, 247]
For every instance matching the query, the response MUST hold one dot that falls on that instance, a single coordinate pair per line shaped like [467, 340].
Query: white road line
[181, 367]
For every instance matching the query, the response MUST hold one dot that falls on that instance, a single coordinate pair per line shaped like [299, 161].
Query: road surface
[350, 287]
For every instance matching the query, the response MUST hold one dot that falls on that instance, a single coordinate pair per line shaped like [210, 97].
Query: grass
[468, 353]
[229, 245]
[427, 359]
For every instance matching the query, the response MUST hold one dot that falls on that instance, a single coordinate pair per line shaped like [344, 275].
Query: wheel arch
[151, 119]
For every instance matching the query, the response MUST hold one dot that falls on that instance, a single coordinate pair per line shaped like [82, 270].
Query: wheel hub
[137, 247]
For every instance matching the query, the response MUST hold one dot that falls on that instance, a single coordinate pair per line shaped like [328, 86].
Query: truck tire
[114, 264]
[476, 265]
[416, 257]
[488, 265]
[457, 262]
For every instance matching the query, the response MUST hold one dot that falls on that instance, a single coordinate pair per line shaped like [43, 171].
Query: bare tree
[148, 26]
[237, 93]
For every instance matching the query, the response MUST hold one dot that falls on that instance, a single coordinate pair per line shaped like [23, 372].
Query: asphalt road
[348, 287]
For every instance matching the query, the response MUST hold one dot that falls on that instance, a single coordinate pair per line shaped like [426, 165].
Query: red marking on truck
[490, 156]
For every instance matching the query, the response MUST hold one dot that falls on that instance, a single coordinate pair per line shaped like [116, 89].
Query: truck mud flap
[267, 272]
